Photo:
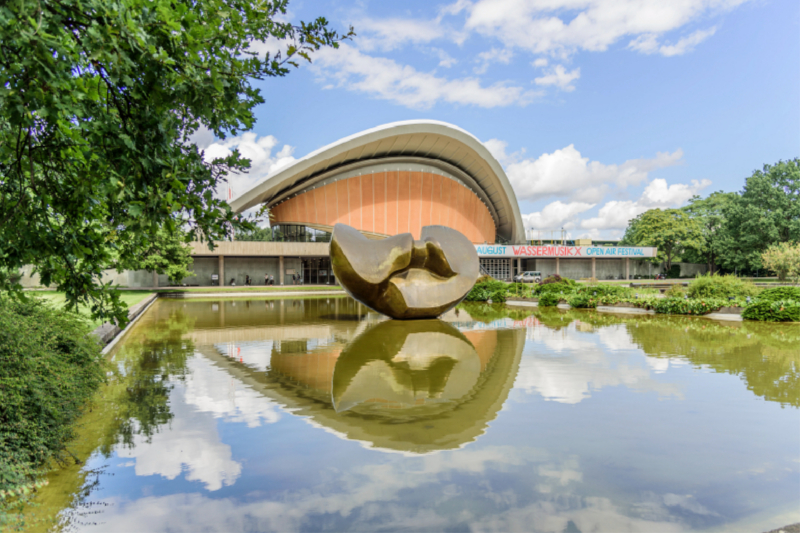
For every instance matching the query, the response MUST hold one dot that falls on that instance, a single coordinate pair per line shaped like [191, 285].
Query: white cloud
[402, 84]
[259, 151]
[559, 77]
[649, 44]
[616, 214]
[491, 57]
[659, 194]
[566, 173]
[391, 33]
[541, 62]
[569, 368]
[191, 444]
[563, 27]
[445, 59]
[555, 215]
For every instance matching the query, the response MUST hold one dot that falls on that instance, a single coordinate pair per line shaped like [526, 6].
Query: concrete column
[627, 268]
[280, 272]
[221, 270]
[593, 268]
[155, 278]
[558, 269]
[281, 312]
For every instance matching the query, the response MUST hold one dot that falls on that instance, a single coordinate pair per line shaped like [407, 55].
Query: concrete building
[396, 178]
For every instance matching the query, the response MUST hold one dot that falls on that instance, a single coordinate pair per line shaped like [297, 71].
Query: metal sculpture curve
[405, 278]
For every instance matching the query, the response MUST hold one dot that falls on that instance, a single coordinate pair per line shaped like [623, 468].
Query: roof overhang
[436, 143]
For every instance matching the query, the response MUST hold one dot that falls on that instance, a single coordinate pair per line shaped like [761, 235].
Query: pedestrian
[266, 279]
[271, 279]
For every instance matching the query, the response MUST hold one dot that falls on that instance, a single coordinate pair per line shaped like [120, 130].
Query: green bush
[674, 272]
[549, 299]
[557, 285]
[49, 368]
[768, 311]
[602, 289]
[581, 301]
[714, 286]
[780, 293]
[675, 291]
[488, 288]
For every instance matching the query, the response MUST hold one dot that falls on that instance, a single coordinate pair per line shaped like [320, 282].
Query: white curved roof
[430, 141]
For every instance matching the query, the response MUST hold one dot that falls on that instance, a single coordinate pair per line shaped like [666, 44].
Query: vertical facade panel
[436, 207]
[427, 198]
[367, 203]
[414, 204]
[379, 189]
[354, 200]
[403, 204]
[392, 184]
[343, 213]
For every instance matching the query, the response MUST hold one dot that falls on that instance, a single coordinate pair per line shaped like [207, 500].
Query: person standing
[266, 279]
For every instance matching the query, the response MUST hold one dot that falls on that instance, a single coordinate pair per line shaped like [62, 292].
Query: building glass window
[497, 268]
[298, 233]
[317, 271]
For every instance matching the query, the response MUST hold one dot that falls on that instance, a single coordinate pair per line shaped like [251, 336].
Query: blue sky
[598, 110]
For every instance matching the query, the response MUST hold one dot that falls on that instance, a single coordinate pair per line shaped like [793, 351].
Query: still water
[316, 415]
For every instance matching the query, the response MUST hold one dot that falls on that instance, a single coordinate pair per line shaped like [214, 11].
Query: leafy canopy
[670, 230]
[766, 212]
[709, 213]
[98, 103]
[783, 259]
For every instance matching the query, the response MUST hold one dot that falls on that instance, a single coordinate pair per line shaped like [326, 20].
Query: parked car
[531, 276]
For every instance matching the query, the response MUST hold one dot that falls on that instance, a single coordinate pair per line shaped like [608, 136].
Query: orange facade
[391, 202]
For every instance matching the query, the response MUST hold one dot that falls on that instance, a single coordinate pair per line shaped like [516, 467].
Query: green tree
[766, 212]
[168, 253]
[255, 234]
[784, 260]
[669, 230]
[709, 213]
[98, 104]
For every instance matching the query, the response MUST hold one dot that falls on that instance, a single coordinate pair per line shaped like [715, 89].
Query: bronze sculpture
[403, 278]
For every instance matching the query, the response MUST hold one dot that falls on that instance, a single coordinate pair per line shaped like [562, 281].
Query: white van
[531, 276]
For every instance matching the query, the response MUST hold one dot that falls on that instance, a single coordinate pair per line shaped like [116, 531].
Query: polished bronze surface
[403, 278]
[411, 365]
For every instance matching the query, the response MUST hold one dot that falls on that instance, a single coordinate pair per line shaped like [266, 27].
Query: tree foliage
[672, 231]
[766, 212]
[784, 260]
[168, 253]
[255, 234]
[98, 103]
[709, 214]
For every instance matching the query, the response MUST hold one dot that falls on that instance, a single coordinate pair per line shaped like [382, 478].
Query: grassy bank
[49, 367]
[57, 300]
[254, 288]
[705, 294]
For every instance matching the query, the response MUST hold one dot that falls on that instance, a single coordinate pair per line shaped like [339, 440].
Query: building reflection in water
[410, 386]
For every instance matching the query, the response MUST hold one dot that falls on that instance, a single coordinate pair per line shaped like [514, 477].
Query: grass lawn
[57, 300]
[257, 288]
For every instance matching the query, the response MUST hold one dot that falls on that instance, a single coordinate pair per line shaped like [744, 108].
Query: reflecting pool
[316, 414]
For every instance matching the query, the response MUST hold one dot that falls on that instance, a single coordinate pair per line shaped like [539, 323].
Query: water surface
[315, 415]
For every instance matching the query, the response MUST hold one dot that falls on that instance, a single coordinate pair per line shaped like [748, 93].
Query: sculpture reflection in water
[403, 278]
[421, 364]
[408, 386]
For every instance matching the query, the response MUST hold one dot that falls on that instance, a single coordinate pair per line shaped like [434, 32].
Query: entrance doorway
[317, 271]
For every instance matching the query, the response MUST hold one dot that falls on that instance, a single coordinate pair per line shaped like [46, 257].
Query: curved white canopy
[433, 142]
